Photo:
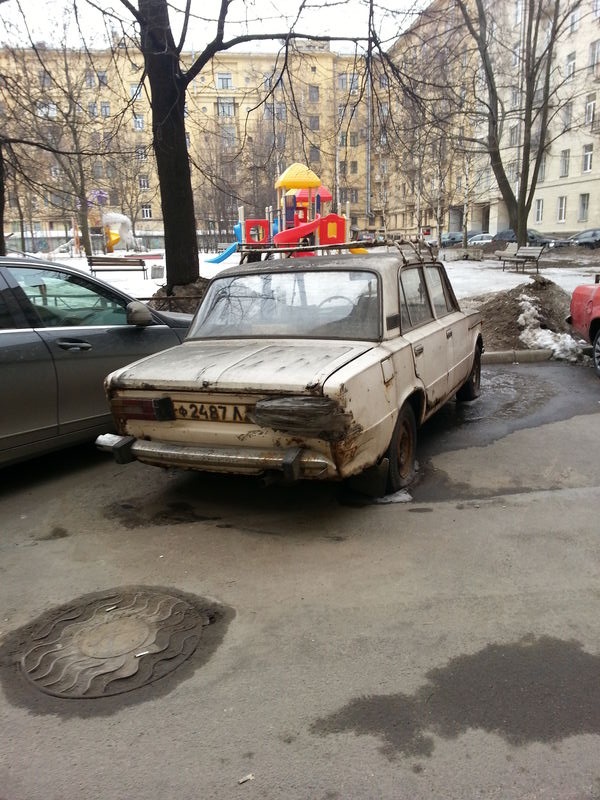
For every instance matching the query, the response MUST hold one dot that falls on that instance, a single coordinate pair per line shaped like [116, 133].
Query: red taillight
[160, 409]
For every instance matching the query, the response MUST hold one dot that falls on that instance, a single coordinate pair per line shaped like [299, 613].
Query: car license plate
[211, 412]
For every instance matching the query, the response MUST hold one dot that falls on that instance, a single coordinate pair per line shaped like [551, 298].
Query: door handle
[418, 349]
[449, 333]
[73, 344]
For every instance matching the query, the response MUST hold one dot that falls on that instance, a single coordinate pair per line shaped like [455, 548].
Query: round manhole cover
[113, 643]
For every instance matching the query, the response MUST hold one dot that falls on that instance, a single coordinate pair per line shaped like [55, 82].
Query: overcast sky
[45, 19]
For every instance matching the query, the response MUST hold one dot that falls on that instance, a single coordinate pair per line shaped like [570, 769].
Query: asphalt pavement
[324, 646]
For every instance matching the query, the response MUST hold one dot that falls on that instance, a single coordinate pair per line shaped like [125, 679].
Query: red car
[585, 317]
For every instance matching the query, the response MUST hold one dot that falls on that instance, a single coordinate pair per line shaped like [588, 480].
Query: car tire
[471, 389]
[402, 451]
[596, 352]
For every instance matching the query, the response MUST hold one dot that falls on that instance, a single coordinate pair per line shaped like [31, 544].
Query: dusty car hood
[248, 365]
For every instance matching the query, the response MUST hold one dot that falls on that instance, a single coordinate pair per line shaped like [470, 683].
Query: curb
[516, 356]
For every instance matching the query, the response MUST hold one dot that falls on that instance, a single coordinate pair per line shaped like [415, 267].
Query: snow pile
[533, 336]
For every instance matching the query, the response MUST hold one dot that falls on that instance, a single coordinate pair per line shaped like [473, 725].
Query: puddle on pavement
[534, 690]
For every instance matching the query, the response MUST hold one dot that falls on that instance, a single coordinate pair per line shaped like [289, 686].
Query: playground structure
[298, 226]
[124, 232]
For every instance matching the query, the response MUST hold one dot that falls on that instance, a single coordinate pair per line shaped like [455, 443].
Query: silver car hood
[240, 365]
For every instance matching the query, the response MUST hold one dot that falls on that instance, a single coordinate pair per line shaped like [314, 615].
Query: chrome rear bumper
[293, 462]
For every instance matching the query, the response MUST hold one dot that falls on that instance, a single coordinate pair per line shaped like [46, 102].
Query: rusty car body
[314, 367]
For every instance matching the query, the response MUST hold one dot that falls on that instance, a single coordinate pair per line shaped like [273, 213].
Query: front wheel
[471, 389]
[596, 352]
[402, 451]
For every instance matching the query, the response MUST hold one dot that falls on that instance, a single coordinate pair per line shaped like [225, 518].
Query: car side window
[417, 310]
[6, 318]
[440, 294]
[60, 300]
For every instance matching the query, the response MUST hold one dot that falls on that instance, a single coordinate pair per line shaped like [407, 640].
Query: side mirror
[138, 314]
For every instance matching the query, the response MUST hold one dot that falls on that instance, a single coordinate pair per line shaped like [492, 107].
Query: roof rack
[420, 250]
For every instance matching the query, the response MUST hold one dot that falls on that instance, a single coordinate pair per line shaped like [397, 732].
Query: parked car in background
[584, 317]
[61, 333]
[451, 238]
[533, 238]
[318, 368]
[480, 239]
[589, 238]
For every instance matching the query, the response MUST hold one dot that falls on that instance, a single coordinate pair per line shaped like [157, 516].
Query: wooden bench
[116, 264]
[523, 257]
[510, 250]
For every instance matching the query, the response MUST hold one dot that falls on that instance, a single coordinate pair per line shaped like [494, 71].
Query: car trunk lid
[241, 366]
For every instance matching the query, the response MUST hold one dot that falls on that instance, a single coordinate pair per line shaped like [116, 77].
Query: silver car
[61, 333]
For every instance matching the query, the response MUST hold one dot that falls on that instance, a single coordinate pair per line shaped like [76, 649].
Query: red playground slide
[293, 235]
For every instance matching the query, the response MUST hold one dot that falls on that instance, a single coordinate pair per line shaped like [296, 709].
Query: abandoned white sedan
[315, 367]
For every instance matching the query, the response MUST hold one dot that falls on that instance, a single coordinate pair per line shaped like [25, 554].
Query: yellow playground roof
[298, 176]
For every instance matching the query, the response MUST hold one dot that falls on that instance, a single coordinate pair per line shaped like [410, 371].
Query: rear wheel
[596, 352]
[471, 389]
[402, 451]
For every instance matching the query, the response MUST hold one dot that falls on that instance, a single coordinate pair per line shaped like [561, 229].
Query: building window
[515, 97]
[146, 211]
[228, 134]
[563, 169]
[343, 82]
[138, 122]
[102, 78]
[516, 54]
[314, 154]
[353, 83]
[105, 109]
[353, 167]
[588, 151]
[562, 209]
[354, 195]
[134, 90]
[313, 123]
[89, 79]
[567, 115]
[225, 108]
[45, 79]
[513, 136]
[518, 11]
[224, 80]
[574, 21]
[343, 139]
[584, 207]
[539, 210]
[590, 108]
[384, 81]
[596, 8]
[313, 94]
[353, 139]
[542, 169]
[343, 169]
[141, 154]
[143, 182]
[97, 170]
[570, 67]
[594, 57]
[280, 111]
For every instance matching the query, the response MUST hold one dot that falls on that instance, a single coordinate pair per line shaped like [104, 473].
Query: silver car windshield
[336, 304]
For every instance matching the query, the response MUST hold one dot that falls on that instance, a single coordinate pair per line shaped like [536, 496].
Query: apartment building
[447, 180]
[248, 116]
[400, 156]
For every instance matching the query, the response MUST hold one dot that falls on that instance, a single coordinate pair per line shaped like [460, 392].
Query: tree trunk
[2, 201]
[168, 90]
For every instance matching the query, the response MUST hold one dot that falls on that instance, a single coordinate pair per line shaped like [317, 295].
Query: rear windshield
[340, 304]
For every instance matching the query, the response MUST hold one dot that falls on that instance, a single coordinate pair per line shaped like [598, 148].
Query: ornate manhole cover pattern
[113, 643]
